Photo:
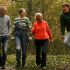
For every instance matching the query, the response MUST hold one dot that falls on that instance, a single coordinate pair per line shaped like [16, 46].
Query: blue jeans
[3, 45]
[41, 45]
[21, 45]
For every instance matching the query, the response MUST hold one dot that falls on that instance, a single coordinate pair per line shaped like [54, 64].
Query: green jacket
[65, 22]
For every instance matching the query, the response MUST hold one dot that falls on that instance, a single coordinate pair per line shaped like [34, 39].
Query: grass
[54, 62]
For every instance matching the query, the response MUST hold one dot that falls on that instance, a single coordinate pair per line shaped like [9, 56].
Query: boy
[65, 22]
[4, 34]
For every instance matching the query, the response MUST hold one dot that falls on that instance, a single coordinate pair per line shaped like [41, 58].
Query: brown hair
[21, 10]
[2, 10]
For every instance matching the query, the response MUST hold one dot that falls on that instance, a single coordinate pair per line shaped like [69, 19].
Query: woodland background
[58, 55]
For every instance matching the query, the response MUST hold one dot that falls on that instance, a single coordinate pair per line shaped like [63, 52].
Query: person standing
[4, 35]
[21, 27]
[65, 23]
[42, 36]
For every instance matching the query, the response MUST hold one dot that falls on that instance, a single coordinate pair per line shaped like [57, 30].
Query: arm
[28, 23]
[49, 31]
[62, 25]
[33, 30]
[9, 25]
[14, 26]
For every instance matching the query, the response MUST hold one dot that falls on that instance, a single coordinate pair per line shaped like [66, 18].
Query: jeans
[21, 45]
[41, 45]
[3, 46]
[67, 39]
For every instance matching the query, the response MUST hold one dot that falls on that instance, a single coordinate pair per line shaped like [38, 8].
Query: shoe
[18, 65]
[44, 68]
[3, 67]
[23, 64]
[37, 66]
[0, 61]
[0, 65]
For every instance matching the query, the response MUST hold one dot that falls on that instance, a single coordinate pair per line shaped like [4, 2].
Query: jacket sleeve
[14, 26]
[33, 30]
[28, 23]
[62, 25]
[49, 31]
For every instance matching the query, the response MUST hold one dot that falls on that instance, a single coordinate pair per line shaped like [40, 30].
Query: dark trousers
[3, 46]
[0, 60]
[21, 45]
[41, 45]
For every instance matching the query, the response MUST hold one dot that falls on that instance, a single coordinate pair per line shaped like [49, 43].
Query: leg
[24, 50]
[38, 50]
[0, 54]
[0, 61]
[18, 50]
[44, 50]
[4, 49]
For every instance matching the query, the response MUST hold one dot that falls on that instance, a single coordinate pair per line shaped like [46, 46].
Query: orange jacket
[41, 30]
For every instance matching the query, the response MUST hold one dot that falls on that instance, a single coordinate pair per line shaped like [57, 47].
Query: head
[39, 17]
[66, 7]
[22, 12]
[2, 10]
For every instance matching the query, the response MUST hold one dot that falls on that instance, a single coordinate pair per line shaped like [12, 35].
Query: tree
[29, 9]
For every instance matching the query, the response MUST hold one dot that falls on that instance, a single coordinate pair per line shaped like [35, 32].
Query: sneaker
[44, 68]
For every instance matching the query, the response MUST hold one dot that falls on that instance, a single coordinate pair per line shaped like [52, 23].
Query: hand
[51, 40]
[62, 38]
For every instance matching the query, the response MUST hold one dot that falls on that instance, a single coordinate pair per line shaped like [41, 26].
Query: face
[39, 18]
[22, 14]
[65, 9]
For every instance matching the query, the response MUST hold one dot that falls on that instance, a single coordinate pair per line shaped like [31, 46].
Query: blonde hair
[38, 14]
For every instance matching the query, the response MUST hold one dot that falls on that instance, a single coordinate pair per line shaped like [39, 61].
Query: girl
[21, 26]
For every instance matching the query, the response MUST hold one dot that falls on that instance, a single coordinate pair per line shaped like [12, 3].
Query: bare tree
[29, 9]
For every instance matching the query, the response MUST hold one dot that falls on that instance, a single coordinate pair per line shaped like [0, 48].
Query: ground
[54, 62]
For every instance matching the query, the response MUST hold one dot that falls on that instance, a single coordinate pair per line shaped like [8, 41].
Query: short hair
[38, 14]
[21, 10]
[2, 10]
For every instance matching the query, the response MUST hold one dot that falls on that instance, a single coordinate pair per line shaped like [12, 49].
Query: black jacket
[65, 22]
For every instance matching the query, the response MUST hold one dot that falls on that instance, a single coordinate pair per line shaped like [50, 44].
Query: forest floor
[54, 62]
